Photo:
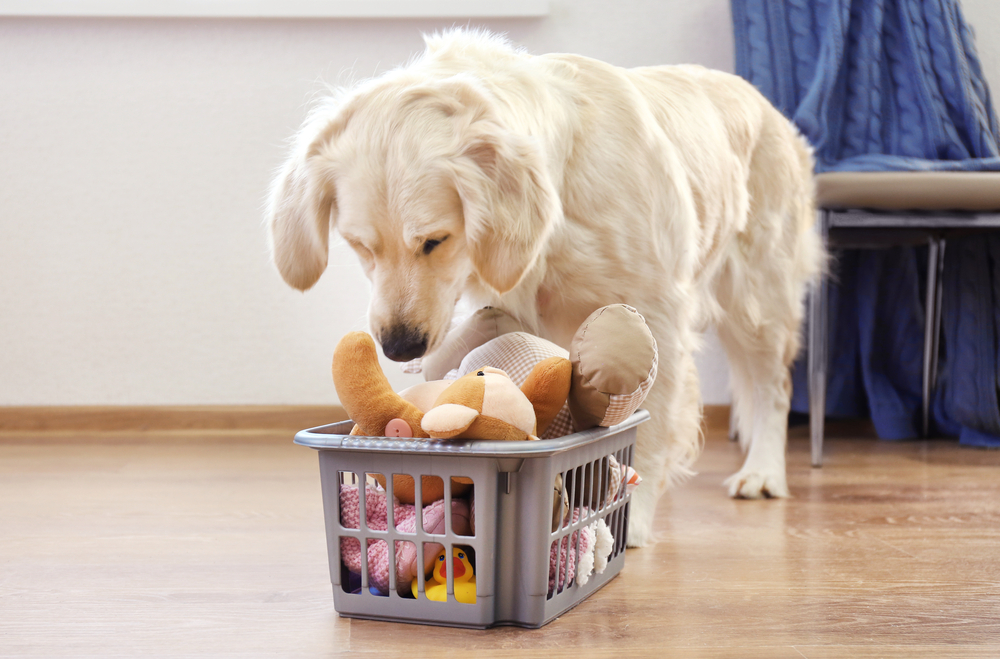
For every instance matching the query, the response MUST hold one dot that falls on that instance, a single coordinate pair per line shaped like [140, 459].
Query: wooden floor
[211, 544]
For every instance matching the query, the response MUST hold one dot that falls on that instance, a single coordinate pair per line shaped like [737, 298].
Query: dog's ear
[508, 199]
[303, 203]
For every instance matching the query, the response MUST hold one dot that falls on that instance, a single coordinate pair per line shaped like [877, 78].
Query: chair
[880, 209]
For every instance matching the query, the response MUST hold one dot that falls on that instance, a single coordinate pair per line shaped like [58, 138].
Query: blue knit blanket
[873, 84]
[880, 85]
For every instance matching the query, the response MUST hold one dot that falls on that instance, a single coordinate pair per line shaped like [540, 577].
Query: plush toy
[613, 362]
[613, 356]
[485, 405]
[366, 394]
[610, 370]
[614, 365]
[404, 516]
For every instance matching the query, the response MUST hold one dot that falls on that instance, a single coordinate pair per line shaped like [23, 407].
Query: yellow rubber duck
[436, 588]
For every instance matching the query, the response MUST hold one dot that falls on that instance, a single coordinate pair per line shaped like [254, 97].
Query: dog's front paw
[640, 519]
[639, 534]
[750, 483]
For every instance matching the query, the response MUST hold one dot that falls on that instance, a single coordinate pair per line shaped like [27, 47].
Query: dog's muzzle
[403, 343]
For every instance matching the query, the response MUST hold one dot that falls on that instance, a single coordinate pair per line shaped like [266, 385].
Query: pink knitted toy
[406, 522]
[596, 543]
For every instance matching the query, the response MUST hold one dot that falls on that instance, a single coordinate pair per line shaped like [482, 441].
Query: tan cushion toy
[614, 365]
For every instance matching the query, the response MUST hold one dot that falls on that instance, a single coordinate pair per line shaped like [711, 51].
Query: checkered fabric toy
[613, 354]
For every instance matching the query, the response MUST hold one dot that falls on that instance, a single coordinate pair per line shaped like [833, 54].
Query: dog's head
[428, 187]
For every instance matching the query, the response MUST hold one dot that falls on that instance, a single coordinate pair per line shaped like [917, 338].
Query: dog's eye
[432, 243]
[481, 374]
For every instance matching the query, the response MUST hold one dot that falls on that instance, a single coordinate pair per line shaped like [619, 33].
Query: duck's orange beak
[457, 566]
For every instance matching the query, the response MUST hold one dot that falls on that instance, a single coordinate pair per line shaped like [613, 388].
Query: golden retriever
[552, 185]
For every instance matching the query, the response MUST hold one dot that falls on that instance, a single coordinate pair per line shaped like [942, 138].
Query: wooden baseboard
[90, 419]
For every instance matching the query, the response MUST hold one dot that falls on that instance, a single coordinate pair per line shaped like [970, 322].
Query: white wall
[134, 159]
[984, 17]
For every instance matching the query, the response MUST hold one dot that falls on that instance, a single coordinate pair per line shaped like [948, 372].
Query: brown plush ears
[364, 390]
[547, 387]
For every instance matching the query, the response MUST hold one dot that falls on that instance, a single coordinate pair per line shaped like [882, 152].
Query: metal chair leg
[817, 341]
[930, 324]
[938, 309]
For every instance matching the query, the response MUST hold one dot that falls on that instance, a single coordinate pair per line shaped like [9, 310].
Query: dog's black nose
[403, 343]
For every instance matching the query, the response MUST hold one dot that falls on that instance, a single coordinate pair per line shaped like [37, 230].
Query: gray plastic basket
[515, 527]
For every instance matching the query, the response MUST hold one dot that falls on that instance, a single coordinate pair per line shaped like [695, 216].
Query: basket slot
[402, 546]
[602, 468]
[570, 485]
[465, 486]
[580, 487]
[618, 529]
[592, 475]
[555, 567]
[468, 554]
[374, 580]
[346, 478]
[345, 578]
[418, 495]
[390, 510]
[373, 482]
[560, 503]
[364, 565]
[627, 456]
[399, 483]
[391, 572]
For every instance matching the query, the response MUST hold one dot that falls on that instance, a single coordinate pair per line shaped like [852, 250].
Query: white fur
[561, 184]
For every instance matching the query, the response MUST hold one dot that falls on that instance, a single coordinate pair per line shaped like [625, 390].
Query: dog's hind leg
[761, 391]
[762, 292]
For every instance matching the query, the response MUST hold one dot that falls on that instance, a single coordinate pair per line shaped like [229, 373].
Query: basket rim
[336, 437]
